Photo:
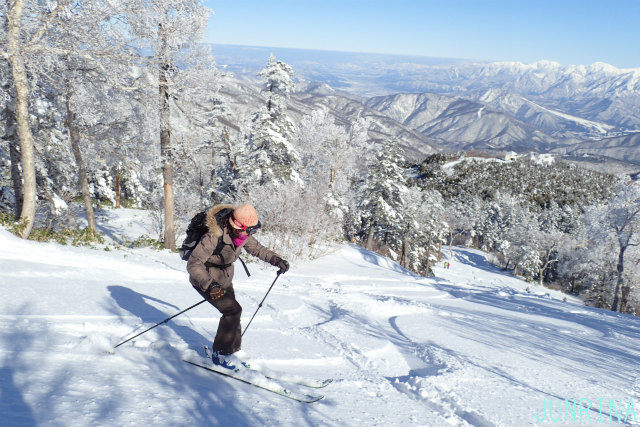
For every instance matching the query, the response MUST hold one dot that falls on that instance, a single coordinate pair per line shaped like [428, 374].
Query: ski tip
[318, 384]
[314, 399]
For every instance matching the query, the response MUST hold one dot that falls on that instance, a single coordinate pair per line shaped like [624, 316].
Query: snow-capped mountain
[460, 124]
[441, 105]
[625, 148]
[598, 93]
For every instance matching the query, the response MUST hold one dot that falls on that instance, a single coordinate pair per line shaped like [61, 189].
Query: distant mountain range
[440, 104]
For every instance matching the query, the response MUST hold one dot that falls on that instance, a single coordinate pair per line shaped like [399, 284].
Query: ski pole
[260, 305]
[158, 324]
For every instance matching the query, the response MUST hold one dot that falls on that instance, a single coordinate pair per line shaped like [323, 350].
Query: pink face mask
[239, 240]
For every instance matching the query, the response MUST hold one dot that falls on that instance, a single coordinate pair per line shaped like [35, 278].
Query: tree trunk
[118, 188]
[619, 280]
[451, 236]
[404, 256]
[427, 268]
[83, 183]
[624, 301]
[227, 141]
[165, 146]
[84, 186]
[332, 176]
[544, 269]
[312, 239]
[14, 156]
[21, 84]
[369, 239]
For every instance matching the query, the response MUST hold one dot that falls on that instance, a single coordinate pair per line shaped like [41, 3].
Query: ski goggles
[249, 230]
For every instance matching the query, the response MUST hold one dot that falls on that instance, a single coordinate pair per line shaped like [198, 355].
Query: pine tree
[424, 230]
[271, 158]
[381, 199]
[278, 84]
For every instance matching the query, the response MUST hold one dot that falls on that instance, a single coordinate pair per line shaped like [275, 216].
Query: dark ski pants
[228, 339]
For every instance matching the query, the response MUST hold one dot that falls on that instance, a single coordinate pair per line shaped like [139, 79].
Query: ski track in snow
[469, 347]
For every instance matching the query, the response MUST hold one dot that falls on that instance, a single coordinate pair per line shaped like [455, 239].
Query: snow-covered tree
[587, 266]
[24, 25]
[270, 156]
[383, 196]
[85, 78]
[332, 157]
[64, 46]
[172, 31]
[460, 218]
[278, 84]
[424, 230]
[547, 245]
[619, 222]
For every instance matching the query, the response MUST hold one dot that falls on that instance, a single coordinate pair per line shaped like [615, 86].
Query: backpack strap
[246, 270]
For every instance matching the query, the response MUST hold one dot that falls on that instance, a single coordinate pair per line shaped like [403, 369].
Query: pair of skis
[268, 381]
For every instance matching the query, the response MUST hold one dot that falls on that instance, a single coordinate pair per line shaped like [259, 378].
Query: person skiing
[210, 268]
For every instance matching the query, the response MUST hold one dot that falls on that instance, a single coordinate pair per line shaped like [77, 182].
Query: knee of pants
[234, 310]
[237, 310]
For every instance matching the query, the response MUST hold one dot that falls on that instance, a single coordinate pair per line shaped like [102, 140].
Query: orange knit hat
[246, 215]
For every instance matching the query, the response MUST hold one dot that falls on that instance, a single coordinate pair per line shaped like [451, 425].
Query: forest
[104, 106]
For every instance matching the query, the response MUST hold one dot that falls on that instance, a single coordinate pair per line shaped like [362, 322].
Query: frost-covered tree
[547, 245]
[460, 217]
[23, 29]
[383, 195]
[172, 31]
[587, 266]
[619, 222]
[278, 84]
[270, 156]
[294, 223]
[424, 229]
[64, 45]
[332, 157]
[84, 80]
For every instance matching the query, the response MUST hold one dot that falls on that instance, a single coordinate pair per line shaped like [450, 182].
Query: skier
[210, 268]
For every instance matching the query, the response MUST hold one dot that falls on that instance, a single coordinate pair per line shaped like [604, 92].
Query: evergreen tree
[424, 229]
[382, 197]
[278, 84]
[271, 157]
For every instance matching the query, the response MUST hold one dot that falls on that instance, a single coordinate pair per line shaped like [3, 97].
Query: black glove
[215, 291]
[283, 264]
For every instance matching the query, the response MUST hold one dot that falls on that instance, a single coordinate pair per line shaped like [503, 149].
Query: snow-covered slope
[470, 346]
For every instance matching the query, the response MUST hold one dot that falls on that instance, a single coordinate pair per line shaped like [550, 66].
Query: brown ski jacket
[213, 257]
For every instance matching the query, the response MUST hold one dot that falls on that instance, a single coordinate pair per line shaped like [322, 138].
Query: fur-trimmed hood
[212, 222]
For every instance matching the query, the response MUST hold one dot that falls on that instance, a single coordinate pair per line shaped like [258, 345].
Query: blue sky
[565, 31]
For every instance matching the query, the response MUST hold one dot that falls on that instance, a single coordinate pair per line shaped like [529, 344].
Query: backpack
[196, 229]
